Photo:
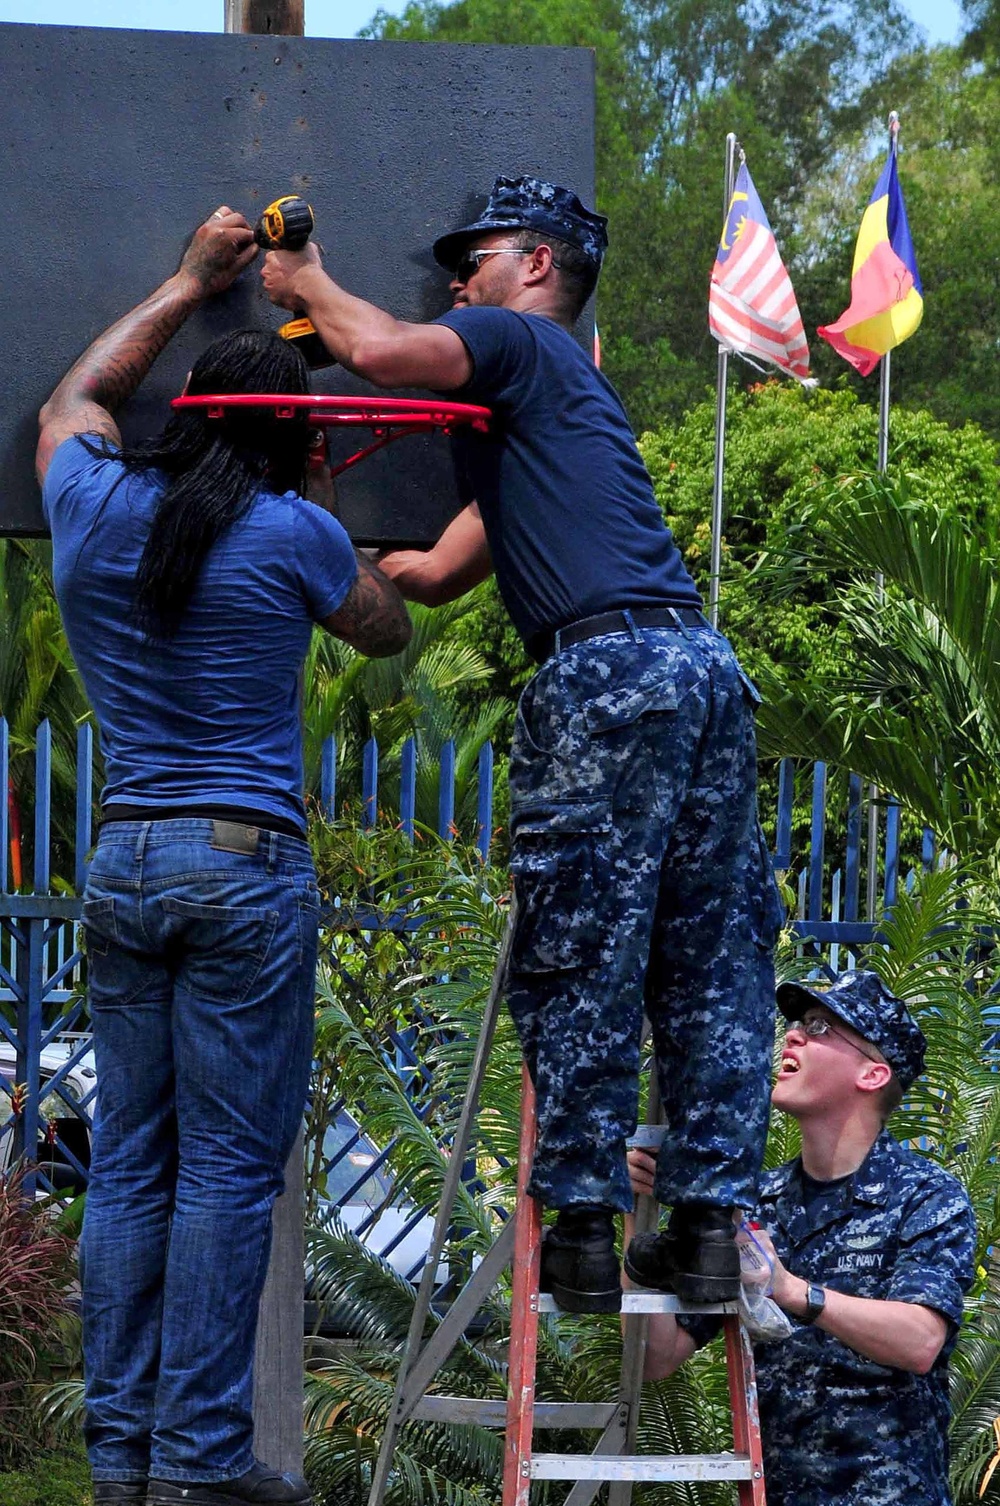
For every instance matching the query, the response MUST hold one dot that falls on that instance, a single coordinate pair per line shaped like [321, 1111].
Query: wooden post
[279, 1359]
[278, 1367]
[276, 18]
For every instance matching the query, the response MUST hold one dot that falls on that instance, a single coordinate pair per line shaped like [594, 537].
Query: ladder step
[641, 1467]
[643, 1301]
[491, 1412]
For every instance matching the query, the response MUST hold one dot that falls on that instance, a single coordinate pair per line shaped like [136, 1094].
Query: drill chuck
[285, 225]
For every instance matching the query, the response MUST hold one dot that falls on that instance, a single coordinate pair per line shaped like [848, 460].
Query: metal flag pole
[885, 370]
[720, 421]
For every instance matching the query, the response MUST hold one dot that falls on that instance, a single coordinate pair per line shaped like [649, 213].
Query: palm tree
[916, 710]
[418, 693]
[37, 682]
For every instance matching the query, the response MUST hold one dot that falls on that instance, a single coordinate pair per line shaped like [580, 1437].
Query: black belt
[541, 645]
[235, 814]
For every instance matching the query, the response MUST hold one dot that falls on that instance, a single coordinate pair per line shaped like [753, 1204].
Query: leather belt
[627, 620]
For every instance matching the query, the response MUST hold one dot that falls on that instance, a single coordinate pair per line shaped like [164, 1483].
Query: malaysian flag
[751, 305]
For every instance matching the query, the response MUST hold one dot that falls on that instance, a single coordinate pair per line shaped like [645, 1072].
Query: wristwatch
[815, 1303]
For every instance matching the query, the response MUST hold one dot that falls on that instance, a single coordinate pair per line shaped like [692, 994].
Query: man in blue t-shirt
[641, 876]
[190, 572]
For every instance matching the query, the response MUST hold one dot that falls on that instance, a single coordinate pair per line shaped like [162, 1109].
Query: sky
[324, 18]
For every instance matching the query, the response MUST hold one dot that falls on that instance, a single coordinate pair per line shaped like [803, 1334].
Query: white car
[63, 1135]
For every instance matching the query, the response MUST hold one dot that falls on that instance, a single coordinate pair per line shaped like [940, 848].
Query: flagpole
[885, 372]
[715, 567]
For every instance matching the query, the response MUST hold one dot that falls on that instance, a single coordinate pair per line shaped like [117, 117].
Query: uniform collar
[869, 1185]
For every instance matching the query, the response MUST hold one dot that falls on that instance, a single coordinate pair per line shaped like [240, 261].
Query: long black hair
[215, 468]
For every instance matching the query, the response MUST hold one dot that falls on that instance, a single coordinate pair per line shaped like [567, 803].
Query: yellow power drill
[286, 225]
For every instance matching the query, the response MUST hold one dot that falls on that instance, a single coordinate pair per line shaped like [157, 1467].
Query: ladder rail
[442, 1222]
[524, 1314]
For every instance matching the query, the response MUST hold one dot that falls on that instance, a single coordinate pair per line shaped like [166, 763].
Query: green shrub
[59, 1478]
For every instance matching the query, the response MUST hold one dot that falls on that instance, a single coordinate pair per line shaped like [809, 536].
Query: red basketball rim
[388, 417]
[399, 412]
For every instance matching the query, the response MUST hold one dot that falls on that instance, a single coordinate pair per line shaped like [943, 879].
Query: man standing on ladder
[873, 1248]
[641, 876]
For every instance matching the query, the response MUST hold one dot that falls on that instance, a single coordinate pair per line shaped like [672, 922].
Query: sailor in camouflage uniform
[640, 873]
[874, 1251]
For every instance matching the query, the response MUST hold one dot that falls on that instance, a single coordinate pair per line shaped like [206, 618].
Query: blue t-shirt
[567, 504]
[211, 716]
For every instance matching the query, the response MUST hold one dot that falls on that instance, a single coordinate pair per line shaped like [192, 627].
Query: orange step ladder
[612, 1460]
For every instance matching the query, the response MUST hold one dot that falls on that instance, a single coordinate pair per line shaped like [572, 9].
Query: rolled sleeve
[937, 1241]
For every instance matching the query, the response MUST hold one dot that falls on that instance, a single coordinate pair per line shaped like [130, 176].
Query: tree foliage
[673, 76]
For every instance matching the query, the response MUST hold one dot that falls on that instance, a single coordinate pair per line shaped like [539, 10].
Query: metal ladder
[613, 1459]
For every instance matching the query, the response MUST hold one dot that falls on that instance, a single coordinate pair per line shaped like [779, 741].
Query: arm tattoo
[372, 617]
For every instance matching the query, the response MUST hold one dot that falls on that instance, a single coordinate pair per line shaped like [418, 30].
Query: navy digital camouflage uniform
[839, 1429]
[640, 871]
[642, 882]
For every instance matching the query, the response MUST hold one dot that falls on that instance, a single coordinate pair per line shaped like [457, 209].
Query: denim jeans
[202, 967]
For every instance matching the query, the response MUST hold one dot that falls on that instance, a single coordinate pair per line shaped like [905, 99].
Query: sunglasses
[470, 261]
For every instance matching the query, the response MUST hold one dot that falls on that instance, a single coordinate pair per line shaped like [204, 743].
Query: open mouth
[789, 1066]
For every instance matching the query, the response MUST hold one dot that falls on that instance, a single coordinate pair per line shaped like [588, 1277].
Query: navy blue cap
[530, 204]
[862, 1001]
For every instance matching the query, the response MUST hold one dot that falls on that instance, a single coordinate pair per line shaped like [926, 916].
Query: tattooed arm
[108, 373]
[372, 617]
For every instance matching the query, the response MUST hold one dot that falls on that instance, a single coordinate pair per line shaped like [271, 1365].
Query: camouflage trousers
[643, 885]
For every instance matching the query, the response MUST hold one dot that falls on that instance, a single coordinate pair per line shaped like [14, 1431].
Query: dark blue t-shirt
[211, 716]
[566, 501]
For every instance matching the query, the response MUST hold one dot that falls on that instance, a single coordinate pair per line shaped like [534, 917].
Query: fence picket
[4, 804]
[817, 843]
[852, 897]
[892, 829]
[446, 792]
[369, 784]
[83, 836]
[484, 809]
[328, 778]
[408, 787]
[783, 830]
[43, 808]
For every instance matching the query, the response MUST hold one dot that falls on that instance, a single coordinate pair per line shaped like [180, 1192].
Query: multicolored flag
[887, 301]
[751, 305]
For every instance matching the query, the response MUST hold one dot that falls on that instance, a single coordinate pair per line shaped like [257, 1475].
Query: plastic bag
[761, 1316]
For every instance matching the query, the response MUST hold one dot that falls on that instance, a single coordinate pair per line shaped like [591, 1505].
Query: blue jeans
[202, 967]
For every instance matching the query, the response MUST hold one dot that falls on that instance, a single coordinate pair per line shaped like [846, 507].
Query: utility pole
[279, 1361]
[275, 18]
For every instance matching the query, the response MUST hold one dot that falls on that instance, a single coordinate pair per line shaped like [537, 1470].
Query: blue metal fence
[45, 1100]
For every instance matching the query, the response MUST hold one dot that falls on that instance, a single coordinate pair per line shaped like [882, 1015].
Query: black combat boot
[260, 1486]
[696, 1257]
[120, 1492]
[579, 1264]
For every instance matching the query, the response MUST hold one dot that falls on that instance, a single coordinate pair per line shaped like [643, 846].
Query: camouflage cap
[530, 204]
[862, 1001]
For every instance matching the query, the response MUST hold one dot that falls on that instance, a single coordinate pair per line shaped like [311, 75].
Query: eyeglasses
[818, 1025]
[470, 261]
